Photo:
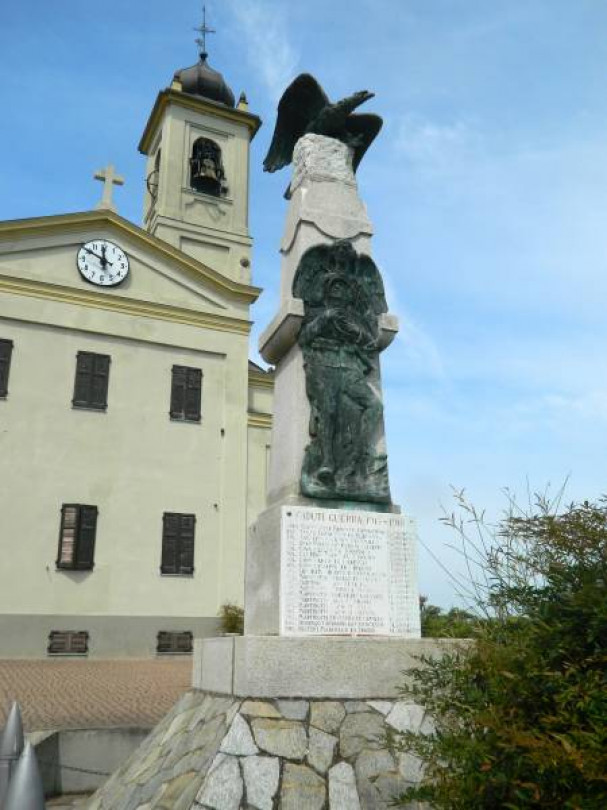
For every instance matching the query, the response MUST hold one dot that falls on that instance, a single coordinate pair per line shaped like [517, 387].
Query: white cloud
[270, 52]
[435, 146]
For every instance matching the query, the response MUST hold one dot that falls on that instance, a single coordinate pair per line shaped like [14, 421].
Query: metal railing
[20, 780]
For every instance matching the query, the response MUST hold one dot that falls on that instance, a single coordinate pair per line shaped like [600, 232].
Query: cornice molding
[259, 380]
[122, 305]
[189, 102]
[43, 226]
[259, 420]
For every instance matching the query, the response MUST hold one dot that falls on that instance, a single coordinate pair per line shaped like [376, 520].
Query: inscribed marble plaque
[347, 573]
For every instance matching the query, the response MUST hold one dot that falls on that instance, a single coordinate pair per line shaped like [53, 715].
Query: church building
[134, 430]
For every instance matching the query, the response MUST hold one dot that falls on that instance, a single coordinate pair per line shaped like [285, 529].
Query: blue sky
[487, 188]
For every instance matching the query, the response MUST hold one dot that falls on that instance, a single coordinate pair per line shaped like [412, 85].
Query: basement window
[171, 642]
[68, 642]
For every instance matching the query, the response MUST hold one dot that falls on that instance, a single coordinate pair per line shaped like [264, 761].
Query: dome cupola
[201, 80]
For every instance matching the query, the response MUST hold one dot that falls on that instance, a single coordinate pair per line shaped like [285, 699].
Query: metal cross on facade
[110, 179]
[201, 41]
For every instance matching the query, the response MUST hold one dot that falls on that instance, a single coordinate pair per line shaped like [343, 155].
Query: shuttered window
[68, 642]
[186, 393]
[174, 642]
[77, 537]
[91, 384]
[177, 543]
[6, 350]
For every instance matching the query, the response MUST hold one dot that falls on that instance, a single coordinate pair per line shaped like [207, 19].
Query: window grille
[171, 642]
[68, 642]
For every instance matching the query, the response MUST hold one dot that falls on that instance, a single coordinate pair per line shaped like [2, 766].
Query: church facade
[134, 430]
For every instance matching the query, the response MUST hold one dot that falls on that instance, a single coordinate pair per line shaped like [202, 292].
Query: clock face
[103, 263]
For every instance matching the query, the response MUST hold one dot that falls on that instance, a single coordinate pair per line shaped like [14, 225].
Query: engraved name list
[347, 573]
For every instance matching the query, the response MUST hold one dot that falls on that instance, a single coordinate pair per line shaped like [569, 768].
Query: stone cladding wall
[223, 753]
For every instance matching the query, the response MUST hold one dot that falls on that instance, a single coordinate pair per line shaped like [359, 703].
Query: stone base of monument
[288, 751]
[278, 666]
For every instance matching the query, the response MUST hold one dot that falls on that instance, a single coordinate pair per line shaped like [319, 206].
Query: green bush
[521, 714]
[457, 623]
[231, 618]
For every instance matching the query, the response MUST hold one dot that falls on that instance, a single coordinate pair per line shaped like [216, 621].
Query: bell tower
[197, 143]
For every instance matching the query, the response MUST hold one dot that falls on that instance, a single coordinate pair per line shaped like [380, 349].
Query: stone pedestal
[323, 667]
[226, 753]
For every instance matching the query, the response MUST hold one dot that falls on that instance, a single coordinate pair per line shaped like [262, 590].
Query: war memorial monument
[296, 713]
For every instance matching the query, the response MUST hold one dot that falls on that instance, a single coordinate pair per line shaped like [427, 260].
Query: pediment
[44, 251]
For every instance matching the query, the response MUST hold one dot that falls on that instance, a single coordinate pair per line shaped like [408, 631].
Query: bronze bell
[208, 168]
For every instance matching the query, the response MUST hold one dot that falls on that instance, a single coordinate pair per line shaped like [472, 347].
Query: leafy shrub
[521, 714]
[231, 618]
[457, 623]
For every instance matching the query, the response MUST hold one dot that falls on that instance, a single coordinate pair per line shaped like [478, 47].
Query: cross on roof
[110, 179]
[201, 41]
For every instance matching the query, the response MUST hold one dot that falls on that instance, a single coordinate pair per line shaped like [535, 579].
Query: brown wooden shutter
[193, 394]
[82, 383]
[101, 373]
[6, 350]
[170, 543]
[178, 386]
[68, 534]
[187, 525]
[87, 529]
[91, 384]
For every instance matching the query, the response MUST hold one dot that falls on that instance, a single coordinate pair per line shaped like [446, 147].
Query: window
[77, 537]
[206, 169]
[186, 392]
[68, 642]
[92, 374]
[177, 543]
[174, 642]
[6, 349]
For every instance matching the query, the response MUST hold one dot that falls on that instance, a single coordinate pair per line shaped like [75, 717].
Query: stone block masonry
[222, 753]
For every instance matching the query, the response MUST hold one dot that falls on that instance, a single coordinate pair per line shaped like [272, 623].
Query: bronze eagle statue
[305, 109]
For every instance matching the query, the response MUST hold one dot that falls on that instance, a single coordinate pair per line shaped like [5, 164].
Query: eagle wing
[363, 126]
[301, 102]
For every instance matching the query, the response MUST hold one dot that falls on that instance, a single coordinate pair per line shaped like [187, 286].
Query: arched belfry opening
[206, 167]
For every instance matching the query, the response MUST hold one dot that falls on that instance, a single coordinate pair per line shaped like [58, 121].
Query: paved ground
[69, 693]
[67, 802]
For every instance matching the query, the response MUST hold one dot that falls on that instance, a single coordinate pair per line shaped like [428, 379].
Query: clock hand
[101, 258]
[104, 261]
[92, 252]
